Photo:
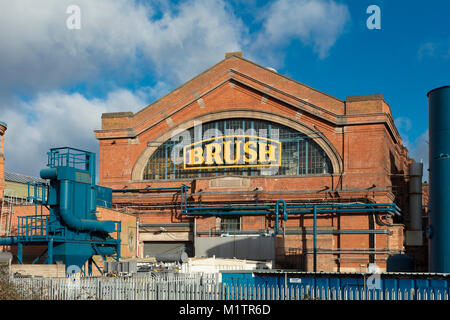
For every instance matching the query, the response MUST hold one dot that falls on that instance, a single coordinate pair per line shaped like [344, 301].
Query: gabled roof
[20, 178]
[268, 82]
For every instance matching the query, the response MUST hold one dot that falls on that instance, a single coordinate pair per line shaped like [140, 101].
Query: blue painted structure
[439, 157]
[71, 230]
[425, 283]
[104, 197]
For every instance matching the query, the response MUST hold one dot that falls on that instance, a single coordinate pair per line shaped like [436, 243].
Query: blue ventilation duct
[71, 230]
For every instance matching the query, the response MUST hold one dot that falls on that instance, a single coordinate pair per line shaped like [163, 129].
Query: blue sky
[56, 82]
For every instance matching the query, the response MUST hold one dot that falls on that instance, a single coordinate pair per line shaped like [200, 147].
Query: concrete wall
[40, 270]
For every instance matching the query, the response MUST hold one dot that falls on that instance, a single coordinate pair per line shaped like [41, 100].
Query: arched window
[300, 154]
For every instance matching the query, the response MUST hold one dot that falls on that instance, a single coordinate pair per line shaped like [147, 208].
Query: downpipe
[277, 212]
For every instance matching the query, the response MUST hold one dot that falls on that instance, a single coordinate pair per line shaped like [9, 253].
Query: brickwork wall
[358, 134]
[2, 159]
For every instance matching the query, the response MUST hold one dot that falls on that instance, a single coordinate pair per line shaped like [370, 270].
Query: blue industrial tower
[71, 231]
[439, 157]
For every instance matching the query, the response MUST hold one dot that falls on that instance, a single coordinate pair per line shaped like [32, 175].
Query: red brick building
[330, 151]
[3, 127]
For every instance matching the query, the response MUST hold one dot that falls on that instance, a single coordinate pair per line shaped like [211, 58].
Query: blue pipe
[20, 253]
[277, 205]
[346, 210]
[315, 240]
[9, 241]
[344, 205]
[50, 173]
[229, 207]
[77, 223]
[338, 209]
[189, 212]
[218, 213]
[50, 251]
[152, 189]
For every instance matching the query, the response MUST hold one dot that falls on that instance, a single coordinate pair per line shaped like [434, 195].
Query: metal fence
[200, 287]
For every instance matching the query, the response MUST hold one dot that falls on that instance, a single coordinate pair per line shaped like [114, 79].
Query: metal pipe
[218, 213]
[50, 251]
[151, 189]
[229, 207]
[137, 237]
[354, 251]
[285, 216]
[288, 211]
[19, 253]
[338, 205]
[157, 225]
[305, 232]
[315, 240]
[9, 241]
[77, 223]
[415, 196]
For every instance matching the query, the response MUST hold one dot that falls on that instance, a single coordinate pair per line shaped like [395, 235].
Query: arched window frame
[316, 161]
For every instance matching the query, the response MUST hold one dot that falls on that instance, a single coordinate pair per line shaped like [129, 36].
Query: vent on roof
[272, 69]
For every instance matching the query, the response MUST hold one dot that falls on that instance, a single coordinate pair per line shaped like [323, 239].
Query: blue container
[351, 282]
[439, 158]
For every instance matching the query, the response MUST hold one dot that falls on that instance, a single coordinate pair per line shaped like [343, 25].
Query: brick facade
[2, 158]
[358, 135]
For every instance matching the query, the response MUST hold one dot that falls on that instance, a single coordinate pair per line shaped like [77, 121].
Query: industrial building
[243, 162]
[64, 221]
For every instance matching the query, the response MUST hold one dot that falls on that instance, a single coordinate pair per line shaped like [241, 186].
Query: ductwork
[414, 230]
[75, 223]
[8, 241]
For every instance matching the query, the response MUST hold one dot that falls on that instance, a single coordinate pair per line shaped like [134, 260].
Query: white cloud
[40, 52]
[403, 124]
[58, 119]
[439, 49]
[119, 42]
[418, 150]
[316, 23]
[195, 37]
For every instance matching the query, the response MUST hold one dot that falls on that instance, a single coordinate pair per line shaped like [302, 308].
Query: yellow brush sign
[232, 152]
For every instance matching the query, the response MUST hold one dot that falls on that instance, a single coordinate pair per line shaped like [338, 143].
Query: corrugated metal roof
[20, 178]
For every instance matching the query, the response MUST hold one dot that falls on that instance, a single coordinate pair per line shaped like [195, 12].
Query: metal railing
[32, 226]
[203, 287]
[69, 157]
